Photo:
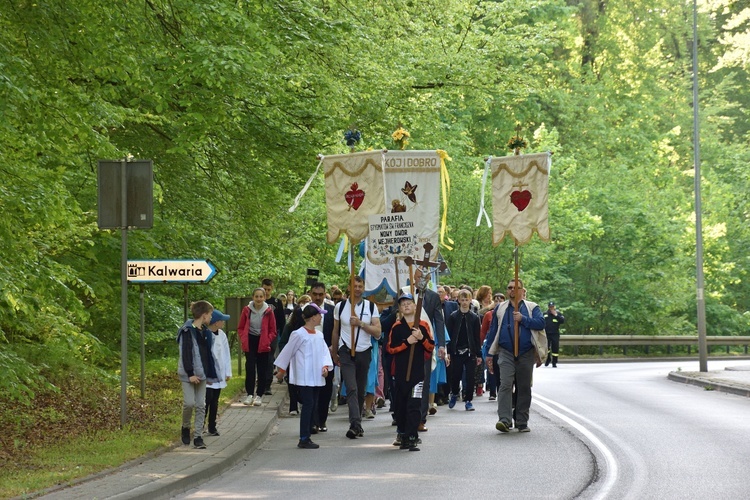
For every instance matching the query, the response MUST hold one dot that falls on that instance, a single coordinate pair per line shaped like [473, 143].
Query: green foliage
[232, 100]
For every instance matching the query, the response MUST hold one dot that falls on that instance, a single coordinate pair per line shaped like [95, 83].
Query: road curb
[178, 469]
[709, 384]
[206, 470]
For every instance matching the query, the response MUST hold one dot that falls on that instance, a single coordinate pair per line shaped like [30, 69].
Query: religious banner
[519, 197]
[380, 277]
[354, 191]
[393, 235]
[413, 186]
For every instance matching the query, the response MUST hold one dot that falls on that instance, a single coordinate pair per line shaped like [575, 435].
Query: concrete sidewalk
[243, 429]
[733, 380]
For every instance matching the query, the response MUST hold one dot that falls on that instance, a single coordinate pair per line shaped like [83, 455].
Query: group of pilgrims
[428, 348]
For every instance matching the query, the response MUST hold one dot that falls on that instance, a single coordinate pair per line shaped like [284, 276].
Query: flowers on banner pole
[517, 142]
[401, 137]
[352, 137]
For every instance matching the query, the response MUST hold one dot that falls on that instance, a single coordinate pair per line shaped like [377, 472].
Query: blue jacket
[504, 325]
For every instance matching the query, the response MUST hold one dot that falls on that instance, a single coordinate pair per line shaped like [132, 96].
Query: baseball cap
[218, 316]
[550, 304]
[406, 296]
[311, 310]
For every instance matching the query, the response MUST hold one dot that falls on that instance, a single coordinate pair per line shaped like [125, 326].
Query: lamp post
[701, 302]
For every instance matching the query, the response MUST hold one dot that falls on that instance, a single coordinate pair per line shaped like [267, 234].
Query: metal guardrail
[647, 341]
[644, 340]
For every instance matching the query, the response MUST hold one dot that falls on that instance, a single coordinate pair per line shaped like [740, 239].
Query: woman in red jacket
[256, 330]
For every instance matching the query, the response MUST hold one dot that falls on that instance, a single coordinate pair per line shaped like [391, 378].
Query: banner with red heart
[354, 197]
[519, 197]
[354, 191]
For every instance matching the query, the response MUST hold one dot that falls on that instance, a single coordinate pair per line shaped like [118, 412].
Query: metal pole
[123, 292]
[701, 302]
[143, 345]
[185, 299]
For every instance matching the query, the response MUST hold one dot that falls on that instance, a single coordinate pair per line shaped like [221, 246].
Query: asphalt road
[618, 430]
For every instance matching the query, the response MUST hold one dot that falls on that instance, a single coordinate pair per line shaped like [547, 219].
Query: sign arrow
[171, 271]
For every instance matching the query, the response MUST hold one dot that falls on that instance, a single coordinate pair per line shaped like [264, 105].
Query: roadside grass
[63, 437]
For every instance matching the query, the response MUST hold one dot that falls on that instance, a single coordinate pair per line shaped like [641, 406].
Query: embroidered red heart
[354, 197]
[520, 199]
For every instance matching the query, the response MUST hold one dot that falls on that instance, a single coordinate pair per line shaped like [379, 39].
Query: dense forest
[232, 100]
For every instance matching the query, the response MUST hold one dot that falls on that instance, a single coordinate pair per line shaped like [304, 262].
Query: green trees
[232, 100]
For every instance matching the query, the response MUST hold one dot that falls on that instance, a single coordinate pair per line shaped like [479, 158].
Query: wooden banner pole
[352, 347]
[516, 302]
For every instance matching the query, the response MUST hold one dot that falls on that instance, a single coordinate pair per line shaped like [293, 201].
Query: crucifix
[425, 264]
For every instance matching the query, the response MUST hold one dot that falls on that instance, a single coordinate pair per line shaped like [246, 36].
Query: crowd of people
[334, 348]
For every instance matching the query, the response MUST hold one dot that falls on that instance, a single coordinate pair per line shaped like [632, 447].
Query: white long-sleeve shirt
[304, 357]
[222, 359]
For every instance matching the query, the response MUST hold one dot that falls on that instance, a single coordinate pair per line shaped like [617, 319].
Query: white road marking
[611, 470]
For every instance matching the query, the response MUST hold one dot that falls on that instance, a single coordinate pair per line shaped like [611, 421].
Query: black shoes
[355, 432]
[409, 444]
[213, 433]
[199, 444]
[307, 444]
[186, 435]
[502, 426]
[548, 360]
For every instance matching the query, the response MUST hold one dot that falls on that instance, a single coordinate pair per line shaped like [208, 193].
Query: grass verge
[74, 433]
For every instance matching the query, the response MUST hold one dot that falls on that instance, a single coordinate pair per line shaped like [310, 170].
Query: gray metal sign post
[125, 193]
[123, 293]
[165, 272]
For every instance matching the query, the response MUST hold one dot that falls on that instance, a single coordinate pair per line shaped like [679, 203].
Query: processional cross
[421, 287]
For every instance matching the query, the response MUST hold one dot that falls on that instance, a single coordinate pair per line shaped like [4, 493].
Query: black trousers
[212, 406]
[460, 363]
[407, 411]
[308, 397]
[256, 363]
[493, 379]
[293, 397]
[553, 342]
[324, 400]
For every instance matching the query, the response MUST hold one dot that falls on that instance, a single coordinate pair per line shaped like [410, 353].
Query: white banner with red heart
[354, 191]
[519, 197]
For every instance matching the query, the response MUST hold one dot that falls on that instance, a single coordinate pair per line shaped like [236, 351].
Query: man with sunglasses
[516, 357]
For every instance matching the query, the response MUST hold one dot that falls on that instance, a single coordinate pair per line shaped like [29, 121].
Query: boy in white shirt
[223, 364]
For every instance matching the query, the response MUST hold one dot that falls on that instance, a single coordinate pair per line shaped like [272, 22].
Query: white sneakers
[253, 400]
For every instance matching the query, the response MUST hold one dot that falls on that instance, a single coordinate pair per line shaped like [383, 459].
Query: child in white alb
[308, 360]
